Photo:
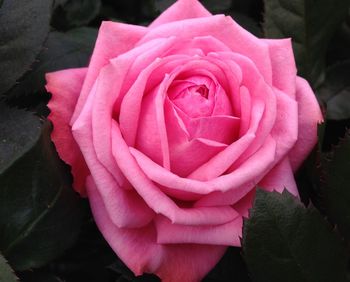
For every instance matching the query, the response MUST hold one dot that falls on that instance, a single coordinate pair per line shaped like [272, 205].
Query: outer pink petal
[309, 116]
[118, 201]
[224, 29]
[65, 87]
[140, 252]
[283, 65]
[226, 234]
[182, 9]
[113, 39]
[279, 178]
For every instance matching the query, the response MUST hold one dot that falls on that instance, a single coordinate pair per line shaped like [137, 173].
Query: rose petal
[118, 201]
[279, 178]
[113, 39]
[154, 197]
[65, 87]
[283, 65]
[226, 30]
[227, 234]
[180, 10]
[310, 115]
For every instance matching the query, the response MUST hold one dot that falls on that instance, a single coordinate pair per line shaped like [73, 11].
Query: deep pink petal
[182, 9]
[65, 88]
[226, 234]
[283, 65]
[113, 39]
[309, 116]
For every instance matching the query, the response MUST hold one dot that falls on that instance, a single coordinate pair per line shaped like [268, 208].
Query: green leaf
[247, 23]
[339, 48]
[284, 241]
[24, 25]
[217, 6]
[75, 13]
[6, 273]
[40, 215]
[63, 50]
[335, 185]
[311, 25]
[335, 92]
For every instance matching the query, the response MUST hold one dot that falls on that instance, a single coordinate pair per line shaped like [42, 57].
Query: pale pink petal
[108, 93]
[139, 75]
[283, 65]
[154, 197]
[226, 234]
[251, 172]
[65, 88]
[226, 128]
[221, 162]
[118, 201]
[285, 130]
[310, 115]
[113, 39]
[182, 9]
[279, 178]
[226, 30]
[233, 186]
[140, 252]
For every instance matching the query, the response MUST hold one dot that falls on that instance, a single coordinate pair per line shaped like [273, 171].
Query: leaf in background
[40, 214]
[311, 25]
[247, 23]
[336, 91]
[335, 185]
[24, 25]
[6, 273]
[284, 241]
[63, 50]
[217, 6]
[340, 45]
[75, 13]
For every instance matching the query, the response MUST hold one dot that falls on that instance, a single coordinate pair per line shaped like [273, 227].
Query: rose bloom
[170, 129]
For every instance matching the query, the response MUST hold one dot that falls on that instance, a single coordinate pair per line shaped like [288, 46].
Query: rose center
[194, 99]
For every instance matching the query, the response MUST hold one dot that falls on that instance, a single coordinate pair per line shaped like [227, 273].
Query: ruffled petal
[65, 88]
[113, 39]
[283, 65]
[226, 234]
[309, 115]
[117, 200]
[226, 30]
[182, 9]
[155, 198]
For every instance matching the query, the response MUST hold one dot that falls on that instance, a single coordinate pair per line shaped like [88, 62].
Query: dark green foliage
[311, 24]
[335, 183]
[24, 25]
[71, 49]
[75, 13]
[284, 241]
[6, 273]
[335, 92]
[40, 215]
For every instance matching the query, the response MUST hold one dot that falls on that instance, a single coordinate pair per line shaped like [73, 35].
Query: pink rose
[170, 129]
